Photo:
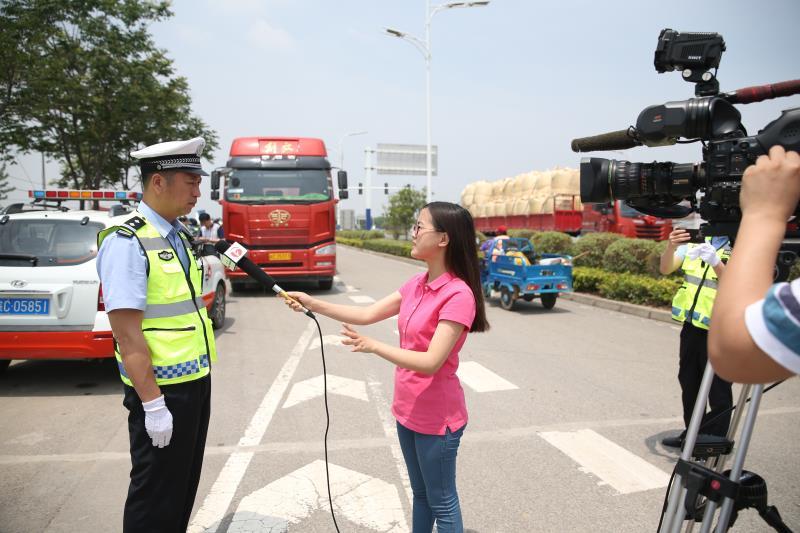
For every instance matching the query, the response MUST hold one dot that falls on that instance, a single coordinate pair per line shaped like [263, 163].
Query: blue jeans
[431, 463]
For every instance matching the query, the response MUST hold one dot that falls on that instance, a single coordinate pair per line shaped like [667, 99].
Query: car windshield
[273, 186]
[47, 242]
[627, 211]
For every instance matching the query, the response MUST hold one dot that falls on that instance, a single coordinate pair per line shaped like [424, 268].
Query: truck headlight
[326, 250]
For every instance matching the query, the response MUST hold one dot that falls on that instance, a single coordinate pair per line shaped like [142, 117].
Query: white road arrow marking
[613, 464]
[361, 499]
[311, 388]
[480, 379]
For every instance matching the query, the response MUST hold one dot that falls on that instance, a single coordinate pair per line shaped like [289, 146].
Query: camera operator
[702, 265]
[756, 333]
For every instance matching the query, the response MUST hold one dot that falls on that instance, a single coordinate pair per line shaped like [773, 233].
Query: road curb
[623, 307]
[587, 299]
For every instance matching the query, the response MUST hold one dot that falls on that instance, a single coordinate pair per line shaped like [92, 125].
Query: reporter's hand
[305, 301]
[679, 236]
[158, 421]
[359, 342]
[771, 187]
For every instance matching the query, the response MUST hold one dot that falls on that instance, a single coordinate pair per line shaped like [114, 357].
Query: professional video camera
[711, 118]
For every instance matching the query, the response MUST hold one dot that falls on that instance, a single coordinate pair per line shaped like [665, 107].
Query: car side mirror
[215, 195]
[342, 178]
[215, 181]
[343, 194]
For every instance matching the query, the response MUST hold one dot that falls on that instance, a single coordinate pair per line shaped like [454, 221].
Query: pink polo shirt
[423, 403]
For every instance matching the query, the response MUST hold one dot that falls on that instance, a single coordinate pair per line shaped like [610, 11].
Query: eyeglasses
[416, 227]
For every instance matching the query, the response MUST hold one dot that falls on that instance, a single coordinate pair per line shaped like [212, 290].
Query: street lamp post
[341, 145]
[425, 48]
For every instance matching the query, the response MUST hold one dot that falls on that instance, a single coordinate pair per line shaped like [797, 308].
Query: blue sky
[512, 83]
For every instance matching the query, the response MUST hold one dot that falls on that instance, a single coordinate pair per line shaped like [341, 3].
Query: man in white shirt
[209, 232]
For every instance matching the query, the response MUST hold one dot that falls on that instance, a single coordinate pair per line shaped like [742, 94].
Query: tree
[82, 82]
[5, 188]
[403, 208]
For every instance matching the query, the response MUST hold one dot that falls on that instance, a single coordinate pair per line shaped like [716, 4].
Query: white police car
[51, 302]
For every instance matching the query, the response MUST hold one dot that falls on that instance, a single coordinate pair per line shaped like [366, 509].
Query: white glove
[706, 252]
[158, 421]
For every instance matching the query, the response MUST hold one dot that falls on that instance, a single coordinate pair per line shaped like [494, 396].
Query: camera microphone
[615, 140]
[236, 254]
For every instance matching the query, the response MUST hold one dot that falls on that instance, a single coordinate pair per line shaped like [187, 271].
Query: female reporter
[435, 311]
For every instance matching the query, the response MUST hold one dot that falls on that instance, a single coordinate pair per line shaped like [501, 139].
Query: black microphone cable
[327, 416]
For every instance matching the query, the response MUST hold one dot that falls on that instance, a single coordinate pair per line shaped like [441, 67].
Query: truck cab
[277, 198]
[618, 217]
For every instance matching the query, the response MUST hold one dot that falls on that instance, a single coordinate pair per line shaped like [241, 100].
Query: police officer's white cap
[172, 155]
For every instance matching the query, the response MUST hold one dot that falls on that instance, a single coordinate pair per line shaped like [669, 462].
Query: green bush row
[625, 287]
[389, 246]
[360, 234]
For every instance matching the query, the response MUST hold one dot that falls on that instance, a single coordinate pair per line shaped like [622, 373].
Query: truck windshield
[273, 186]
[627, 211]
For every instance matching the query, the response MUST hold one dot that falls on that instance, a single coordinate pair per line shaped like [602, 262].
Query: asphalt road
[567, 410]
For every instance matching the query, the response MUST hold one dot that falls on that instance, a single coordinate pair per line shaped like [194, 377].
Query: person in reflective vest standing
[702, 265]
[163, 340]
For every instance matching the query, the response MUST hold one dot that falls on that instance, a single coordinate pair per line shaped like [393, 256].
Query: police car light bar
[61, 194]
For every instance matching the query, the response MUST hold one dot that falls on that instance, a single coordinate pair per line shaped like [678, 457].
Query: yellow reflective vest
[699, 289]
[175, 325]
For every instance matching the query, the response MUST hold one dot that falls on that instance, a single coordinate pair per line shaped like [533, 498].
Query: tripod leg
[675, 511]
[738, 462]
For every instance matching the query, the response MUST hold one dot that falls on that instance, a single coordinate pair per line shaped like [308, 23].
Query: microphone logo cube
[233, 255]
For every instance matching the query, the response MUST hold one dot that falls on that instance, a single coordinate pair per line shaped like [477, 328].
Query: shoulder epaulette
[135, 223]
[125, 232]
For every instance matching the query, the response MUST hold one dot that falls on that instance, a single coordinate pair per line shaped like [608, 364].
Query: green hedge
[552, 242]
[626, 287]
[629, 255]
[389, 246]
[522, 233]
[357, 243]
[592, 247]
[360, 234]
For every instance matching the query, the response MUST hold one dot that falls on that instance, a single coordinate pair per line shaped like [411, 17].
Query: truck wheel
[326, 284]
[549, 300]
[4, 364]
[506, 299]
[218, 307]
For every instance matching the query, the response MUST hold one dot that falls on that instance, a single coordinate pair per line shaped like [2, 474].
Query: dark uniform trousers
[692, 364]
[164, 480]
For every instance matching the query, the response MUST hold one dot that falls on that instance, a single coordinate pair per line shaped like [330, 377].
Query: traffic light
[386, 188]
[360, 190]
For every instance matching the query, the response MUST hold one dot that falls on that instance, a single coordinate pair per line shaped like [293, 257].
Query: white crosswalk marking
[613, 464]
[480, 379]
[360, 299]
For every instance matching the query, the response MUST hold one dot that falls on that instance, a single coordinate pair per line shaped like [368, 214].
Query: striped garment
[774, 324]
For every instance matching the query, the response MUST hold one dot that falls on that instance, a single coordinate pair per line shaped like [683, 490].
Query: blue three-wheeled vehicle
[512, 267]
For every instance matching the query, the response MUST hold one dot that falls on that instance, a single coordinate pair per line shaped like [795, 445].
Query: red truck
[612, 218]
[278, 201]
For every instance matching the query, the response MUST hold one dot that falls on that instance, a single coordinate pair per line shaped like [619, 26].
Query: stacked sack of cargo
[530, 193]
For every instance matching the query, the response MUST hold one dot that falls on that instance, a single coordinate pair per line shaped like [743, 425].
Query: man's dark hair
[166, 173]
[204, 216]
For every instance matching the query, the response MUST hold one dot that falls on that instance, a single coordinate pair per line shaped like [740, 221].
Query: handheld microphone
[615, 140]
[237, 254]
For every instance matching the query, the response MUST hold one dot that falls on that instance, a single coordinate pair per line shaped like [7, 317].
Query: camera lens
[662, 183]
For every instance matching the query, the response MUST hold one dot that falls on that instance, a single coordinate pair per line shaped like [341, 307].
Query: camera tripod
[698, 488]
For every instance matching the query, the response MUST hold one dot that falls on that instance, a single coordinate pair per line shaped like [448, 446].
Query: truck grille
[648, 232]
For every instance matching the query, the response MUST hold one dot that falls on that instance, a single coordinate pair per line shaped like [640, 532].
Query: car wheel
[326, 284]
[506, 298]
[4, 364]
[218, 307]
[549, 300]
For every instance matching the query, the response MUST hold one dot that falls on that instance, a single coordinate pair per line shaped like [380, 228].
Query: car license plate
[280, 256]
[24, 306]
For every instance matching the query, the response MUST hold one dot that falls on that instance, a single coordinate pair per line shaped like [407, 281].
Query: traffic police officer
[702, 265]
[152, 288]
